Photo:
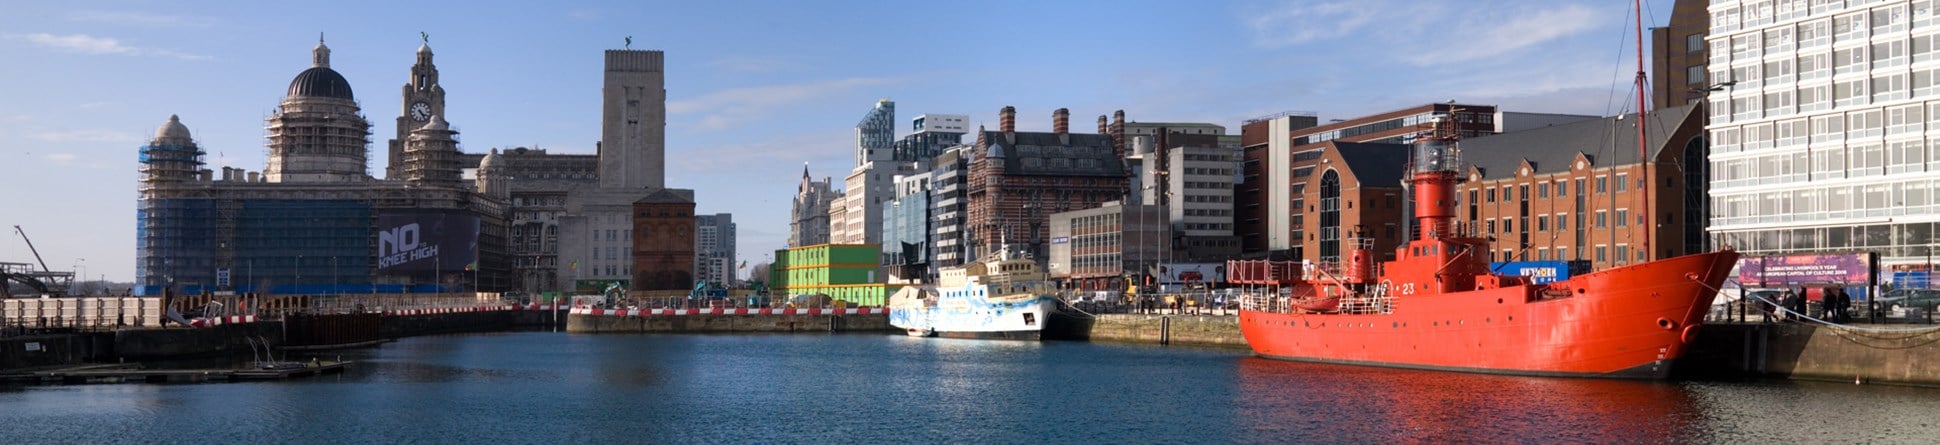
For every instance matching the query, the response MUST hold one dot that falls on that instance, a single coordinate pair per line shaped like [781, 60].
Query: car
[1910, 298]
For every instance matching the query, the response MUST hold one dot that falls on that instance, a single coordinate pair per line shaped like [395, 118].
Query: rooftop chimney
[1118, 133]
[1061, 121]
[1007, 119]
[1103, 128]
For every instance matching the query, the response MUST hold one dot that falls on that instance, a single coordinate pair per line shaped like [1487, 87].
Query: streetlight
[80, 265]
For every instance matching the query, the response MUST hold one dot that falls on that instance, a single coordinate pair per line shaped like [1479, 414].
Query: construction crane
[24, 273]
[30, 248]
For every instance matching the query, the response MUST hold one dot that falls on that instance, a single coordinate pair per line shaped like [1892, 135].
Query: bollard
[1165, 330]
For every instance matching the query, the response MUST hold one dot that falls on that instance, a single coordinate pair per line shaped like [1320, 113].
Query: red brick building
[1281, 153]
[1018, 179]
[1354, 195]
[1571, 191]
[663, 242]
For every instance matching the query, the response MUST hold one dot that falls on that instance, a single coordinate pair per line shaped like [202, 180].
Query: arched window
[1330, 217]
[1697, 199]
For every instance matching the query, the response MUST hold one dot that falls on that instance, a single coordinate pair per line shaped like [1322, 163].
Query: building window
[1623, 217]
[1623, 179]
[1600, 219]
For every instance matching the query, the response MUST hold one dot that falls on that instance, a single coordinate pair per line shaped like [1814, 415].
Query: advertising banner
[409, 242]
[1806, 269]
[1542, 272]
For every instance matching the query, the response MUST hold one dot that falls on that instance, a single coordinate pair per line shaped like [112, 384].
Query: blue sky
[755, 88]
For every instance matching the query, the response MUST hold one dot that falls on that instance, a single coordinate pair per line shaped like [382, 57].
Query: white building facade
[1829, 139]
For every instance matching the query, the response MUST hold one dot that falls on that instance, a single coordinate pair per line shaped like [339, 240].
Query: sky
[756, 89]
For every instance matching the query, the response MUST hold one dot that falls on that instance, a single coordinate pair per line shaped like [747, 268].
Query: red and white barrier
[582, 310]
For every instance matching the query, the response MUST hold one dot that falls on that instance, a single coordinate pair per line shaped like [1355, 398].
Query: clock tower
[423, 98]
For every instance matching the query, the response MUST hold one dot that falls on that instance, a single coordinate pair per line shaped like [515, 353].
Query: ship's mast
[1643, 150]
[1434, 164]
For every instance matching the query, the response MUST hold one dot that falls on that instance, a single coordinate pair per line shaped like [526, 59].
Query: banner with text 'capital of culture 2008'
[426, 241]
[1848, 269]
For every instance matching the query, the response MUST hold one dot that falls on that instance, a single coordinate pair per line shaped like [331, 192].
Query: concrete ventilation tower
[431, 155]
[172, 157]
[317, 134]
[633, 121]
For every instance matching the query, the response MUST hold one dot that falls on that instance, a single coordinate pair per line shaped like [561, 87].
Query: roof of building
[664, 196]
[173, 129]
[320, 81]
[1375, 165]
[1552, 148]
[1036, 153]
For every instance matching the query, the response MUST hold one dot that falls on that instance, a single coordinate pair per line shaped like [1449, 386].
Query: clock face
[420, 111]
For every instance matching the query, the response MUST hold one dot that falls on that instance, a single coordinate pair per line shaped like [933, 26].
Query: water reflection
[1361, 404]
[544, 387]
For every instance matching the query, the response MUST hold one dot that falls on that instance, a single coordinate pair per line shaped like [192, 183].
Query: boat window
[1030, 319]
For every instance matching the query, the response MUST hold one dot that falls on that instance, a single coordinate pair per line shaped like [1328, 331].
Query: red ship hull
[1626, 322]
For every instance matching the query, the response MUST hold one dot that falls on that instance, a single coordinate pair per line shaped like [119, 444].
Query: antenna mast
[1643, 150]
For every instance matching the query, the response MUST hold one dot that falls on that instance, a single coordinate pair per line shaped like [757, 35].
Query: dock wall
[1198, 330]
[704, 323]
[136, 344]
[1810, 352]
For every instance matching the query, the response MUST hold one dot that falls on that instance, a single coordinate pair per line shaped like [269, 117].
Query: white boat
[1004, 299]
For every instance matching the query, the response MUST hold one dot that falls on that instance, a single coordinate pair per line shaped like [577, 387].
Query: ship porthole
[1666, 323]
[1498, 301]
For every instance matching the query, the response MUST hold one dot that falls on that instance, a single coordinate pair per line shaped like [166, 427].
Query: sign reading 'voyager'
[425, 242]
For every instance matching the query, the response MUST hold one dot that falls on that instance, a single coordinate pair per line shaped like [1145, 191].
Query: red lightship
[1438, 306]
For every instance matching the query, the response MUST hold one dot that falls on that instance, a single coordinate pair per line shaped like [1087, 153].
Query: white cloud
[720, 109]
[141, 19]
[86, 44]
[1420, 32]
[1297, 22]
[1487, 35]
[94, 135]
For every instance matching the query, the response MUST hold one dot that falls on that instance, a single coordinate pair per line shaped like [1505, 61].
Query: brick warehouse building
[663, 242]
[1018, 179]
[1547, 193]
[1285, 150]
[1355, 195]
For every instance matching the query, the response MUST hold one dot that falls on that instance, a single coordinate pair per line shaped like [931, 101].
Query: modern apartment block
[1830, 139]
[1101, 248]
[714, 249]
[1191, 174]
[1678, 57]
[948, 187]
[906, 231]
[880, 159]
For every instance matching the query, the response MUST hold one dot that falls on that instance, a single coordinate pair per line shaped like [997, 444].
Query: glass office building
[1825, 127]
